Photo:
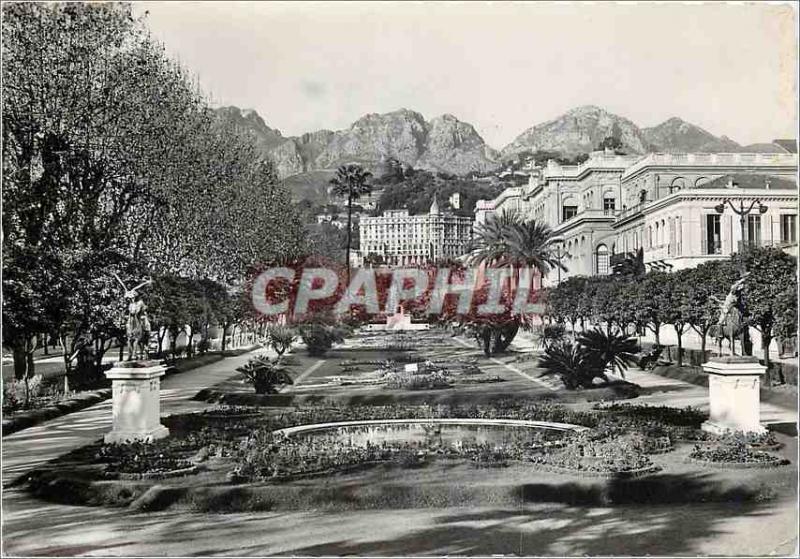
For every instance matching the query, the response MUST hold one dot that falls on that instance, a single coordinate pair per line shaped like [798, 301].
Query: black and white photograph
[399, 279]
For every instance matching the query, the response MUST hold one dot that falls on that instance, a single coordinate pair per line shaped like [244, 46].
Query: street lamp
[559, 253]
[742, 211]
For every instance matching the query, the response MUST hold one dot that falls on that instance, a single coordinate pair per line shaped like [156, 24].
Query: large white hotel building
[401, 239]
[608, 207]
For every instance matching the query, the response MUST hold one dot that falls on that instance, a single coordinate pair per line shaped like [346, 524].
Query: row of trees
[113, 162]
[685, 299]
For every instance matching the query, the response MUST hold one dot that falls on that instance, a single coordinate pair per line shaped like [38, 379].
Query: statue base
[136, 391]
[734, 394]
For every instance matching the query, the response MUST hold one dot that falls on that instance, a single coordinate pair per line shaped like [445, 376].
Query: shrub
[320, 337]
[609, 350]
[550, 334]
[264, 374]
[571, 364]
[13, 396]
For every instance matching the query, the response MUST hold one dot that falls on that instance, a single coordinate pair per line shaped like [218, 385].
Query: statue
[729, 323]
[137, 328]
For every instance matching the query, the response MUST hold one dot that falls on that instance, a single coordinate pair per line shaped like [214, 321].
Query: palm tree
[531, 245]
[508, 240]
[490, 244]
[351, 181]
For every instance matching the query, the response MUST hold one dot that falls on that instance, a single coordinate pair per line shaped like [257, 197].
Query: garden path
[31, 447]
[662, 391]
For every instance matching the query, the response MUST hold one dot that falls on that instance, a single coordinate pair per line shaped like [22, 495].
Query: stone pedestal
[136, 387]
[733, 391]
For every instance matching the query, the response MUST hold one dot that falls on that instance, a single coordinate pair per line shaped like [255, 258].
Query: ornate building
[399, 238]
[667, 204]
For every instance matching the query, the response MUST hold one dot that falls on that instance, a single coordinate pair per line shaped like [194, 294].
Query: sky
[502, 67]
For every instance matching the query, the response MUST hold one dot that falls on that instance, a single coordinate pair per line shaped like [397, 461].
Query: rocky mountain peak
[578, 131]
[678, 136]
[443, 144]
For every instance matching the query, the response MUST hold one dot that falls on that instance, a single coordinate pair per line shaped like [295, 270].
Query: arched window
[602, 260]
[609, 204]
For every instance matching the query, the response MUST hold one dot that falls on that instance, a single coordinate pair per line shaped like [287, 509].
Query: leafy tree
[772, 273]
[351, 182]
[677, 311]
[707, 285]
[651, 302]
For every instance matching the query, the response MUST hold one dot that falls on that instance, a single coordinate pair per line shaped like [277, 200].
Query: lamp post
[742, 211]
[560, 253]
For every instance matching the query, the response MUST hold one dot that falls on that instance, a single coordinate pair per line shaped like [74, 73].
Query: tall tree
[351, 182]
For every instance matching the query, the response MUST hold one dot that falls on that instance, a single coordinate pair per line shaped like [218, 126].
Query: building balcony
[628, 212]
[589, 214]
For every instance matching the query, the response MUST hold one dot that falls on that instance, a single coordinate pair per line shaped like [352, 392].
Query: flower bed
[145, 460]
[734, 455]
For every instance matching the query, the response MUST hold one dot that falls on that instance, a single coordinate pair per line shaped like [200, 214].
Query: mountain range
[447, 144]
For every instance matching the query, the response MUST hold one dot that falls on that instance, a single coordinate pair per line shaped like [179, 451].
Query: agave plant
[571, 363]
[615, 350]
[265, 375]
[280, 338]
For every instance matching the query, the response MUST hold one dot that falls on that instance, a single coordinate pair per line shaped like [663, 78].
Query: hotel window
[568, 212]
[602, 260]
[713, 231]
[754, 230]
[609, 205]
[789, 228]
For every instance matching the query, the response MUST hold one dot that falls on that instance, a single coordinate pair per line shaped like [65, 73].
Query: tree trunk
[20, 362]
[679, 335]
[224, 335]
[766, 339]
[349, 234]
[657, 331]
[173, 342]
[703, 338]
[189, 336]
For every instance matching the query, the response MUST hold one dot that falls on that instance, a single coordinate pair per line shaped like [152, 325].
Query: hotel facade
[403, 239]
[610, 206]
